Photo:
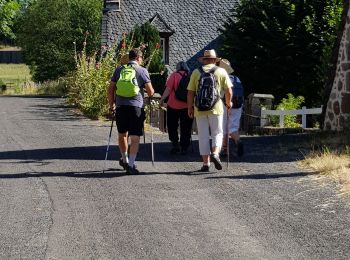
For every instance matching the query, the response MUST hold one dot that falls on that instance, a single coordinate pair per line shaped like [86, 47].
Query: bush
[2, 86]
[53, 87]
[147, 37]
[89, 83]
[289, 103]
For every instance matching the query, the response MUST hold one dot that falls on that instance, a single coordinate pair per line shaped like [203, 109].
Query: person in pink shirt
[177, 111]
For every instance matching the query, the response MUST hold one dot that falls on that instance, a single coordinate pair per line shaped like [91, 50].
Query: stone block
[345, 103]
[336, 107]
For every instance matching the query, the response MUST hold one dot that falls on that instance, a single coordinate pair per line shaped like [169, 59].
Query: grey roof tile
[194, 23]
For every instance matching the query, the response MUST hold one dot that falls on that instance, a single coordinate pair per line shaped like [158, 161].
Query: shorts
[130, 119]
[233, 121]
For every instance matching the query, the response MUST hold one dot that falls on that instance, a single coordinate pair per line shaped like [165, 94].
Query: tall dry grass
[333, 164]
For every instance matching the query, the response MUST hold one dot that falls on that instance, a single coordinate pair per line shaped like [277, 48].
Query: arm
[227, 84]
[111, 95]
[191, 92]
[190, 98]
[228, 97]
[149, 89]
[166, 94]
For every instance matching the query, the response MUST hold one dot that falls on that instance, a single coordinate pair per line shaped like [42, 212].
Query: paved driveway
[57, 204]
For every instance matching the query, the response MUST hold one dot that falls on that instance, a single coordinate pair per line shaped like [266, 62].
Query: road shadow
[106, 174]
[257, 150]
[264, 176]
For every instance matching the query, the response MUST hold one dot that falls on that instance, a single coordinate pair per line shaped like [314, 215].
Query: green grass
[14, 74]
[15, 77]
[18, 81]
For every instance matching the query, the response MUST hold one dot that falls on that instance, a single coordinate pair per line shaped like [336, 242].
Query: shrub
[289, 103]
[89, 83]
[2, 86]
[147, 36]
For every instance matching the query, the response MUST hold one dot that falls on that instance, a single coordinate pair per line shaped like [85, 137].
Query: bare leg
[205, 159]
[235, 136]
[134, 146]
[123, 142]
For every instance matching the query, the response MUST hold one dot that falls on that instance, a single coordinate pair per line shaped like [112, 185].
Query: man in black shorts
[129, 111]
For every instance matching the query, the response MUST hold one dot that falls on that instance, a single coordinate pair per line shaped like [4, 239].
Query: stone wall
[337, 116]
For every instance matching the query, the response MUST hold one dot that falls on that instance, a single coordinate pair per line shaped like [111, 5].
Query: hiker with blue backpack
[125, 97]
[176, 108]
[233, 118]
[204, 103]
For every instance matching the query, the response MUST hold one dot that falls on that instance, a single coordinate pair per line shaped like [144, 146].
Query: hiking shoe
[122, 163]
[216, 160]
[205, 168]
[132, 169]
[240, 149]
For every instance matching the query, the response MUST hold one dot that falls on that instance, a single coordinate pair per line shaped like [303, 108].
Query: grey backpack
[207, 94]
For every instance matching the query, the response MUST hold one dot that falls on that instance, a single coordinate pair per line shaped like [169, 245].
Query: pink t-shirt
[172, 83]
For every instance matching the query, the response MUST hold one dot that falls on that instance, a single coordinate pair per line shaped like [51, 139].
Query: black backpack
[207, 94]
[181, 91]
[238, 93]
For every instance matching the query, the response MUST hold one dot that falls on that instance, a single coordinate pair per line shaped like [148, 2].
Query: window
[112, 4]
[164, 32]
[164, 45]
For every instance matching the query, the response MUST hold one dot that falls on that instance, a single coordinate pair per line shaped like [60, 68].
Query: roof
[193, 23]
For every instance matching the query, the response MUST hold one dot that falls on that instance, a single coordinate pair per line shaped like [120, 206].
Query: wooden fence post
[281, 118]
[303, 117]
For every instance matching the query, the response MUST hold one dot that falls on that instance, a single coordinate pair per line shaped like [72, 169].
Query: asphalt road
[57, 204]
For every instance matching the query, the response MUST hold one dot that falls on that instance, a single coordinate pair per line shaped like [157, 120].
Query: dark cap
[134, 53]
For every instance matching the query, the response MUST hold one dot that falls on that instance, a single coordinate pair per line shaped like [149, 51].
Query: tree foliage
[282, 46]
[8, 11]
[147, 36]
[48, 30]
[88, 83]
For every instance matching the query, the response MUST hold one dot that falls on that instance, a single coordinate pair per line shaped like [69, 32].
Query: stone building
[186, 27]
[337, 111]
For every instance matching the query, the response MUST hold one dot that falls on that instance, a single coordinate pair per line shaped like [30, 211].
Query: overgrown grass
[14, 75]
[17, 81]
[330, 157]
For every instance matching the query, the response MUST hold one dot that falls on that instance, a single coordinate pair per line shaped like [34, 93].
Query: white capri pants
[214, 122]
[234, 120]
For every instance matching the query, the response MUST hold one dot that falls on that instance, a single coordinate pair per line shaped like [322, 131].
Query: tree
[282, 46]
[8, 12]
[147, 36]
[48, 30]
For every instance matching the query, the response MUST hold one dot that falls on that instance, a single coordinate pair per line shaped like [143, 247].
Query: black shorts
[130, 119]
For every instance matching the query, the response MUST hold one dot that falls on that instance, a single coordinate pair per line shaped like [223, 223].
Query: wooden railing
[281, 113]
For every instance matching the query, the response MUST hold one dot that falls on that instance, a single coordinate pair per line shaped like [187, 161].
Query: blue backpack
[238, 93]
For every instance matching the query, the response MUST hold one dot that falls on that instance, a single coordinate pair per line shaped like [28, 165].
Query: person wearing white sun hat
[235, 113]
[213, 80]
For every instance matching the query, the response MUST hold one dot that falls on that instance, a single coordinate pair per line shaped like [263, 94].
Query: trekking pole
[144, 134]
[166, 118]
[150, 123]
[109, 141]
[228, 138]
[191, 137]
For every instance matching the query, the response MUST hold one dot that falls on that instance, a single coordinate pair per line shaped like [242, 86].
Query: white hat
[209, 54]
[225, 64]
